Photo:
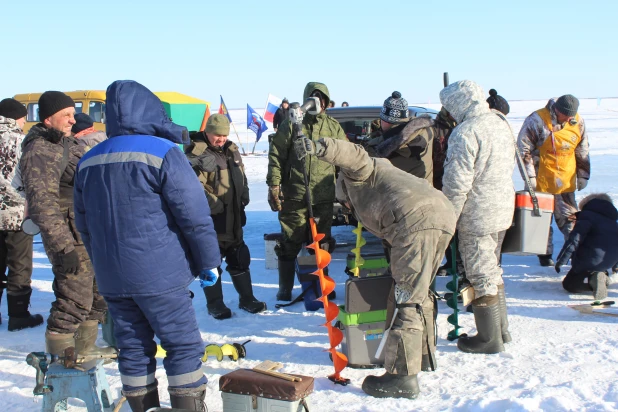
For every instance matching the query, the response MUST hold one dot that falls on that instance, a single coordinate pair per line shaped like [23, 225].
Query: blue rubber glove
[208, 277]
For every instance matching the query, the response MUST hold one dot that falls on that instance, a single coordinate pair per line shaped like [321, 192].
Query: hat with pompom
[395, 109]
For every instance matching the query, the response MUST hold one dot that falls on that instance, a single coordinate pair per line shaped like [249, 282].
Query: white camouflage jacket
[11, 201]
[479, 162]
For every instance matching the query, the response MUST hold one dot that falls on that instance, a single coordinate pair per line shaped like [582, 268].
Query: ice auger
[322, 257]
[453, 286]
[360, 242]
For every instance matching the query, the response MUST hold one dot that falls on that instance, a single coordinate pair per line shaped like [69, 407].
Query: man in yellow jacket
[554, 144]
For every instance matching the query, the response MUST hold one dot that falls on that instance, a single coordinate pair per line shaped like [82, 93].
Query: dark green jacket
[286, 170]
[222, 174]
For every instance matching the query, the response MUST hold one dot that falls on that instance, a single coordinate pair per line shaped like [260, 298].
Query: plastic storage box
[270, 241]
[362, 333]
[245, 390]
[529, 233]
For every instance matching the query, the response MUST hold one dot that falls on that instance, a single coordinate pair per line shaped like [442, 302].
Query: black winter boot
[504, 321]
[391, 385]
[214, 301]
[489, 333]
[19, 316]
[142, 400]
[189, 399]
[247, 302]
[546, 260]
[85, 338]
[287, 269]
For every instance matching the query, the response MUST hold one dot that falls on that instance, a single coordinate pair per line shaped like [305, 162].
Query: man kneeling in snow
[418, 222]
[146, 225]
[592, 247]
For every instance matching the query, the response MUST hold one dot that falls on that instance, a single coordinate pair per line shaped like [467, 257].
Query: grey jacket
[92, 139]
[11, 201]
[389, 202]
[478, 173]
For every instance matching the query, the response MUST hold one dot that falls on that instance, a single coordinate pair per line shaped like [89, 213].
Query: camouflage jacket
[47, 175]
[286, 170]
[11, 201]
[533, 134]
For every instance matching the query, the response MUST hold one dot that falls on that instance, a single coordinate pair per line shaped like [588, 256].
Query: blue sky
[362, 50]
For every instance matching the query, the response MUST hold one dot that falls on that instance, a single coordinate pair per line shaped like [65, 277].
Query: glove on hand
[533, 182]
[208, 277]
[70, 262]
[274, 198]
[303, 146]
[582, 182]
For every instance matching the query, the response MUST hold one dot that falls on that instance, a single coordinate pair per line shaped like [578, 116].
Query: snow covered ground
[559, 360]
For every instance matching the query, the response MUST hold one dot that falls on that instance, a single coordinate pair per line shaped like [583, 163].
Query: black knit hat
[395, 109]
[82, 122]
[285, 100]
[567, 105]
[12, 109]
[51, 102]
[498, 102]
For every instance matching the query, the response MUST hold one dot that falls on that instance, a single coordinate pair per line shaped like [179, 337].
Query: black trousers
[16, 255]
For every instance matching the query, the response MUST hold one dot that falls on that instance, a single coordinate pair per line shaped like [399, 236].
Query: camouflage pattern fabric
[478, 173]
[534, 133]
[294, 220]
[77, 296]
[11, 201]
[481, 259]
[49, 192]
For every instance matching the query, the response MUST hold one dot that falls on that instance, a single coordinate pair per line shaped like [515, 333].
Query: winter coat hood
[132, 109]
[313, 86]
[9, 125]
[464, 99]
[601, 204]
[40, 131]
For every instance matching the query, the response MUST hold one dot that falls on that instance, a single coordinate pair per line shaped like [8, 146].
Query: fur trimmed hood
[600, 203]
[39, 131]
[401, 135]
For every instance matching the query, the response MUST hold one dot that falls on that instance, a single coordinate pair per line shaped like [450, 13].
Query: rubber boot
[190, 399]
[504, 321]
[142, 400]
[546, 260]
[85, 338]
[430, 314]
[489, 333]
[287, 269]
[19, 316]
[246, 300]
[56, 343]
[214, 301]
[391, 385]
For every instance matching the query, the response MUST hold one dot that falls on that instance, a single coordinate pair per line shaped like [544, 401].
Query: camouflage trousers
[414, 264]
[294, 220]
[481, 258]
[16, 254]
[565, 206]
[77, 296]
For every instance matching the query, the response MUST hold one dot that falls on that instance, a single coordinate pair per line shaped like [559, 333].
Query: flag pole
[263, 117]
[238, 137]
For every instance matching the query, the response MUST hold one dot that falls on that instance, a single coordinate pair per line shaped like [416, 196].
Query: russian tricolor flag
[272, 104]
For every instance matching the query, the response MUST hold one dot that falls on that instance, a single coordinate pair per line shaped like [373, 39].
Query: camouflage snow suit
[478, 180]
[286, 170]
[48, 167]
[417, 221]
[15, 245]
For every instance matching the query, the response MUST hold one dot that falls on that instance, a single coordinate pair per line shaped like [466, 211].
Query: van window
[33, 112]
[78, 107]
[97, 111]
